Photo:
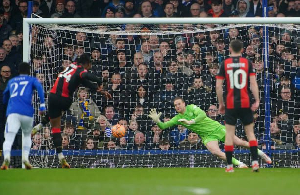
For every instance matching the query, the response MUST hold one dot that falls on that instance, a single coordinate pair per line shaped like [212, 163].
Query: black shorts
[244, 114]
[58, 104]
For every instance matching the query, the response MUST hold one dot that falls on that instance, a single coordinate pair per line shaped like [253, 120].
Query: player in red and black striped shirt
[239, 79]
[61, 95]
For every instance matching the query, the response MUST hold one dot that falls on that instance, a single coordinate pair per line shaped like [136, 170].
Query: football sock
[26, 146]
[229, 153]
[253, 150]
[9, 140]
[57, 139]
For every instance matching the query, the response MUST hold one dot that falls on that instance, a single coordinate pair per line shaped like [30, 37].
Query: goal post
[190, 158]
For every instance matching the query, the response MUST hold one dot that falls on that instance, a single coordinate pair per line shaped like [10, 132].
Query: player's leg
[213, 147]
[11, 129]
[253, 146]
[26, 125]
[230, 132]
[45, 120]
[55, 108]
[239, 142]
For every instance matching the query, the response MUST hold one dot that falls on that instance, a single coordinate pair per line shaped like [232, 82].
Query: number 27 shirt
[236, 72]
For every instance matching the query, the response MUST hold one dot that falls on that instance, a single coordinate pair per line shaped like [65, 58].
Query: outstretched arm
[219, 91]
[155, 117]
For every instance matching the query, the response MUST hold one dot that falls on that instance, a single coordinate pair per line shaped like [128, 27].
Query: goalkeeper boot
[229, 169]
[243, 166]
[5, 164]
[28, 166]
[64, 164]
[36, 128]
[266, 158]
[255, 166]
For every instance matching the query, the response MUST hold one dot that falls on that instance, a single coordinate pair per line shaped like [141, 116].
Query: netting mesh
[147, 66]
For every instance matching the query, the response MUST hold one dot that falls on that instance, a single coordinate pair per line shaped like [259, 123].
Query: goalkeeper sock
[253, 150]
[229, 153]
[236, 161]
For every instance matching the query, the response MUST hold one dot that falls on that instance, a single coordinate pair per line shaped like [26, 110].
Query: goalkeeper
[210, 131]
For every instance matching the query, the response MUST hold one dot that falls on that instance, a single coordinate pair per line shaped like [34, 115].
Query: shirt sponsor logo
[235, 65]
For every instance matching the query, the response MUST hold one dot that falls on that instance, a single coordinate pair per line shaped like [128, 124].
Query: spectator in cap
[109, 12]
[113, 5]
[59, 9]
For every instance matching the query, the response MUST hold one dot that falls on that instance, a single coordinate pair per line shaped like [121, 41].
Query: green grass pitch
[146, 181]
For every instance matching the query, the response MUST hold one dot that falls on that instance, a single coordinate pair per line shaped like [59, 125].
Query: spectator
[89, 144]
[112, 6]
[111, 145]
[84, 109]
[111, 115]
[129, 9]
[216, 9]
[5, 76]
[75, 139]
[11, 54]
[48, 7]
[178, 135]
[228, 7]
[66, 142]
[243, 6]
[164, 144]
[195, 10]
[59, 10]
[8, 10]
[4, 61]
[139, 141]
[178, 8]
[146, 9]
[89, 9]
[101, 132]
[16, 21]
[169, 11]
[193, 142]
[70, 10]
[5, 28]
[256, 8]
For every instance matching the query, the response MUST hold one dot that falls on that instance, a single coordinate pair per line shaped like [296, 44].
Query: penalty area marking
[198, 190]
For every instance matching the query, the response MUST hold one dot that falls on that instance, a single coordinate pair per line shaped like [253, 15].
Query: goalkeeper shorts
[217, 135]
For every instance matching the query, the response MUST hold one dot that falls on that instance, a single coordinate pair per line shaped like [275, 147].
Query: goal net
[146, 66]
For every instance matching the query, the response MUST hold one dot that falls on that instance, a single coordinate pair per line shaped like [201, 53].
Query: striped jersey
[236, 72]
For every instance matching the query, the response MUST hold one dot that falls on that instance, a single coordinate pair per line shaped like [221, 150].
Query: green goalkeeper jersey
[203, 125]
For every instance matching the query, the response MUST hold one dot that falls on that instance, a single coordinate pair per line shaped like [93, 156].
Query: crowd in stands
[148, 71]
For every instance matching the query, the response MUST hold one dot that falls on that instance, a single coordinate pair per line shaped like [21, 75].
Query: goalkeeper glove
[187, 122]
[154, 116]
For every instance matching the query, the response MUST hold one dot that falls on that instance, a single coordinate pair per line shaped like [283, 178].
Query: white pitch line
[199, 190]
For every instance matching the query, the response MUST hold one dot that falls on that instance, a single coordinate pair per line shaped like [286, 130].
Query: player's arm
[219, 90]
[155, 117]
[90, 77]
[41, 95]
[255, 92]
[200, 116]
[219, 87]
[253, 86]
[199, 113]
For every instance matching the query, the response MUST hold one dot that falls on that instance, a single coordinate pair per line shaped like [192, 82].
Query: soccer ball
[118, 131]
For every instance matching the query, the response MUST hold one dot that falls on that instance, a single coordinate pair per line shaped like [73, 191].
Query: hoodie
[246, 13]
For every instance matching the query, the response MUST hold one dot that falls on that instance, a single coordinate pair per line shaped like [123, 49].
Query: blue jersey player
[18, 95]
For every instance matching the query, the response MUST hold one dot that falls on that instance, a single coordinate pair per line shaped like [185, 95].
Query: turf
[145, 181]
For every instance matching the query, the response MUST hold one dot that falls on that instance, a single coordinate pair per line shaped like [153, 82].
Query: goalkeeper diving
[210, 131]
